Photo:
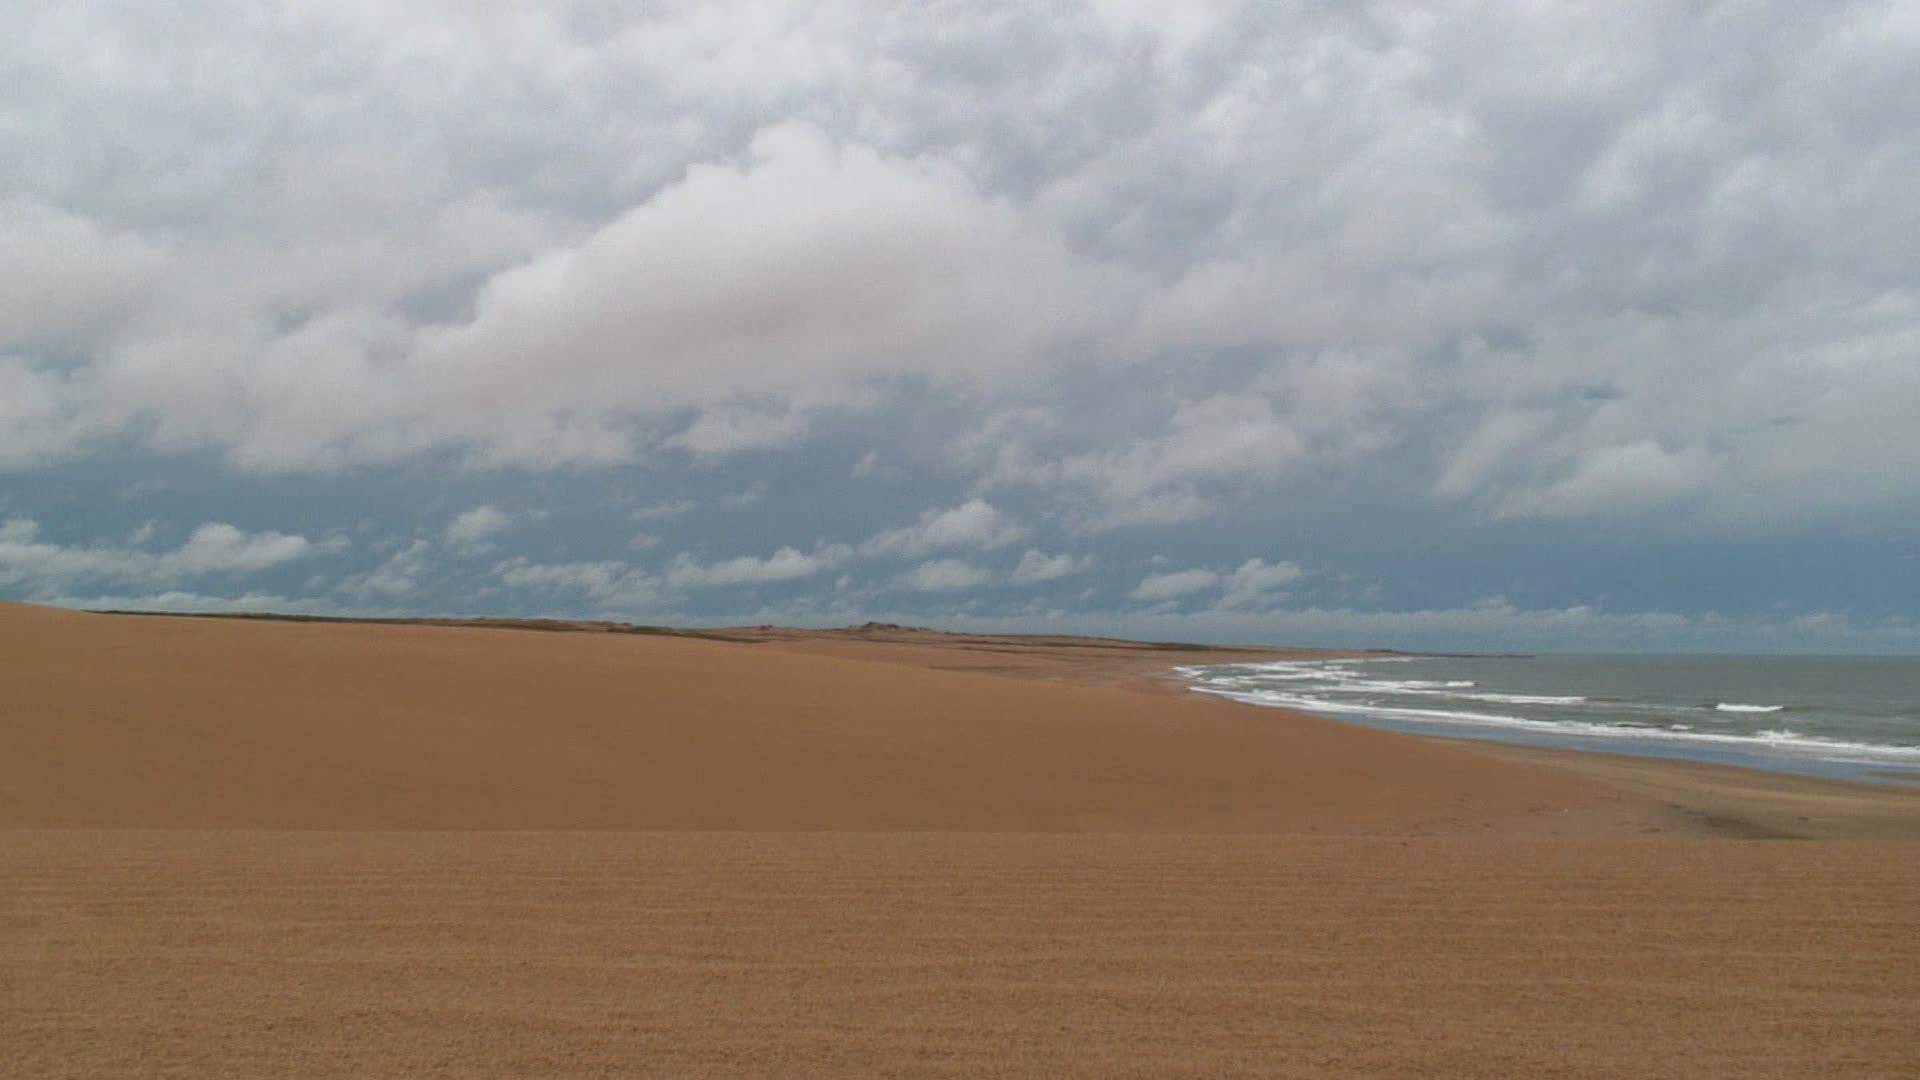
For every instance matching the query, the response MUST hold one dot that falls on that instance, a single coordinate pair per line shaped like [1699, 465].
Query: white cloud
[215, 548]
[718, 432]
[1119, 267]
[786, 564]
[1037, 566]
[944, 575]
[1618, 480]
[472, 532]
[184, 601]
[1496, 626]
[973, 524]
[70, 279]
[399, 575]
[1174, 584]
[1254, 582]
[718, 283]
[1219, 443]
[596, 253]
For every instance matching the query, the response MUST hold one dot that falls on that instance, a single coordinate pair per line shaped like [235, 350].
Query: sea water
[1808, 714]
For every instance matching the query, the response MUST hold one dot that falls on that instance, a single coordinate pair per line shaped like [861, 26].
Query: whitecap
[1529, 699]
[1782, 740]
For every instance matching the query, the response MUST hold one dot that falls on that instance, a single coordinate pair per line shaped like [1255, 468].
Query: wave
[1779, 741]
[1455, 689]
[1734, 706]
[1529, 699]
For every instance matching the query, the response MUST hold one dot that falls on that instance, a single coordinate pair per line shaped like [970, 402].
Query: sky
[1485, 325]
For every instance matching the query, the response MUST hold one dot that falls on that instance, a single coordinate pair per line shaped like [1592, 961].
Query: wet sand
[240, 847]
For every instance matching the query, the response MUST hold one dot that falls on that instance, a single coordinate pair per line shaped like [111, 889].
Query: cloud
[786, 564]
[1254, 582]
[719, 283]
[181, 600]
[1618, 480]
[1036, 566]
[472, 532]
[660, 511]
[1207, 447]
[399, 575]
[1112, 280]
[73, 280]
[215, 548]
[598, 253]
[1173, 584]
[615, 583]
[718, 432]
[973, 524]
[1252, 585]
[944, 575]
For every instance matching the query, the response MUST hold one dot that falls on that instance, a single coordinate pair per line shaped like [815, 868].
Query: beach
[263, 847]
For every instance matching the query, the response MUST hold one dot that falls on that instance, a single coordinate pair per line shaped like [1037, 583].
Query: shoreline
[1727, 800]
[247, 847]
[431, 675]
[1678, 752]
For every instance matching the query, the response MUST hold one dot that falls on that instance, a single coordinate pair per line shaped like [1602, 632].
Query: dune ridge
[204, 723]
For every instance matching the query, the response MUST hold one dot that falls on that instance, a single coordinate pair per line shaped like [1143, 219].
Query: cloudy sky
[1448, 325]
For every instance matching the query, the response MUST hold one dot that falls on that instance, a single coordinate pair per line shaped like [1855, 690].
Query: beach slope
[247, 847]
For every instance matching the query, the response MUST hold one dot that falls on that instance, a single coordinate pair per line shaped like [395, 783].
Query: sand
[249, 848]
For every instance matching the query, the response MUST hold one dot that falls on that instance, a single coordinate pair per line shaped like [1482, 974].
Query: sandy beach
[250, 847]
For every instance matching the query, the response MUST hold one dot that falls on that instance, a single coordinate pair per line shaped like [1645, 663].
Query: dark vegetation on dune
[877, 631]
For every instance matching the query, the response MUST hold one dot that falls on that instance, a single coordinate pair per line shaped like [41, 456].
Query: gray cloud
[1059, 278]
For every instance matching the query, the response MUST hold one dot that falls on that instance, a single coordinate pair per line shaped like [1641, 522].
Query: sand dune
[247, 848]
[199, 723]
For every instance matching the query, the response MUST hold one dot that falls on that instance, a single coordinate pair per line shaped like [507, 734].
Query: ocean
[1822, 715]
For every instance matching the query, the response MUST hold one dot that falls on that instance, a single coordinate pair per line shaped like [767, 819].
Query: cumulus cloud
[1474, 229]
[215, 548]
[1037, 566]
[973, 524]
[615, 583]
[807, 269]
[1618, 480]
[1255, 580]
[1107, 277]
[787, 564]
[1253, 584]
[399, 575]
[1174, 584]
[184, 601]
[472, 532]
[944, 575]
